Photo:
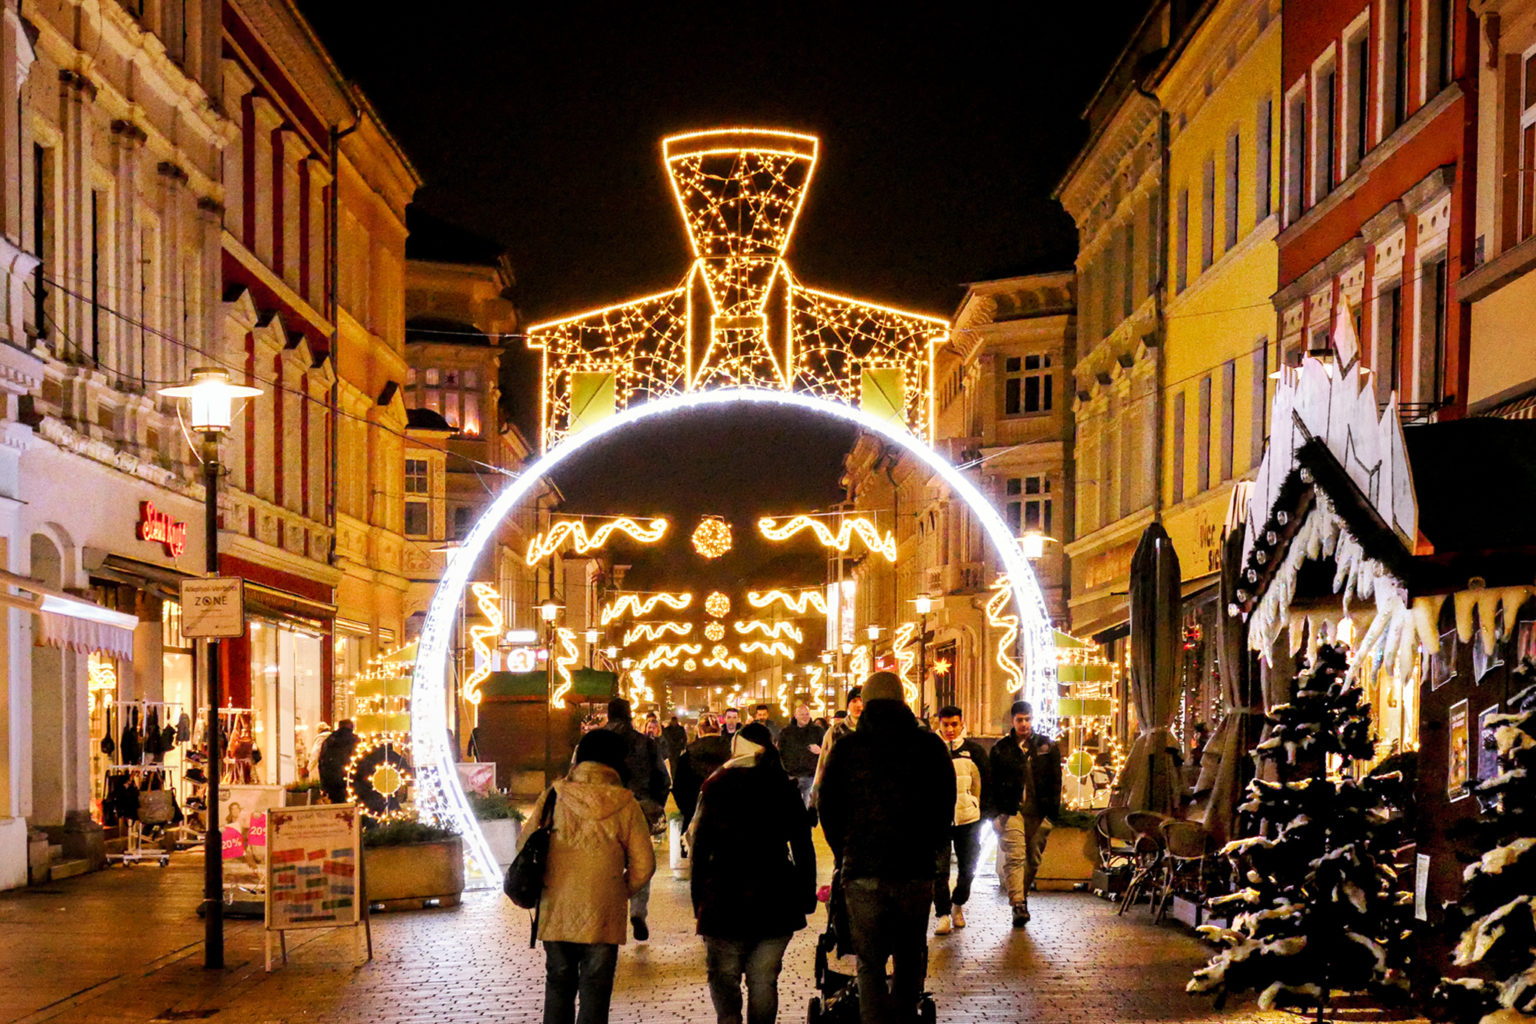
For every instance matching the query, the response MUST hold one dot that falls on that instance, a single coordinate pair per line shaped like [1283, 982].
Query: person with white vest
[969, 759]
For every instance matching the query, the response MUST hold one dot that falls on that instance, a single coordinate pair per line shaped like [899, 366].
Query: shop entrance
[438, 793]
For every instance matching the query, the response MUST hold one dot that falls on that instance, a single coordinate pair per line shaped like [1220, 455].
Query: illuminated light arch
[439, 795]
[842, 540]
[575, 531]
[796, 603]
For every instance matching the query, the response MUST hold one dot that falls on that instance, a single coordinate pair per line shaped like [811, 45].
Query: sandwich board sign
[314, 872]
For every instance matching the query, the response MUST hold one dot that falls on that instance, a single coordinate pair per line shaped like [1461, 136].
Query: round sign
[1080, 763]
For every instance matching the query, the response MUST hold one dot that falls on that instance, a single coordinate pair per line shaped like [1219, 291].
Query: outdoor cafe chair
[1116, 840]
[1188, 848]
[1147, 855]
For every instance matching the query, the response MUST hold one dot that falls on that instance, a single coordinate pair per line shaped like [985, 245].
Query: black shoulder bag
[524, 883]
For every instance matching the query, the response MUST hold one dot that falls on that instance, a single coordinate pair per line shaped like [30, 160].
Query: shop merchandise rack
[137, 849]
[169, 714]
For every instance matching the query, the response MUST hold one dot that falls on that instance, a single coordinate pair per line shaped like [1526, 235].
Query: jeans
[578, 968]
[966, 840]
[640, 902]
[804, 782]
[726, 960]
[888, 920]
[1022, 841]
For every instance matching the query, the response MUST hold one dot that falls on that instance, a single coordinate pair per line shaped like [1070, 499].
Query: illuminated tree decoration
[771, 630]
[639, 604]
[656, 631]
[1008, 625]
[739, 318]
[717, 605]
[714, 631]
[380, 776]
[574, 530]
[905, 659]
[483, 638]
[712, 537]
[842, 540]
[796, 603]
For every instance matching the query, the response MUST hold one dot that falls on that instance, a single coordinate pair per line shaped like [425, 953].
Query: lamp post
[548, 612]
[924, 604]
[210, 401]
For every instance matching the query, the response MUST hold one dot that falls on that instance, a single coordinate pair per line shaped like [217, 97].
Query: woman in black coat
[697, 763]
[754, 875]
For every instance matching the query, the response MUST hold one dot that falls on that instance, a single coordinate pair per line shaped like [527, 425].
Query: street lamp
[210, 405]
[592, 638]
[874, 632]
[548, 612]
[1033, 545]
[924, 604]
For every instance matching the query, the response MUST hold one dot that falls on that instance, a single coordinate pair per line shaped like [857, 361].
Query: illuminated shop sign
[160, 528]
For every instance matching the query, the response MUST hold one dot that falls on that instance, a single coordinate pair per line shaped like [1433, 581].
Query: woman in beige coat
[599, 855]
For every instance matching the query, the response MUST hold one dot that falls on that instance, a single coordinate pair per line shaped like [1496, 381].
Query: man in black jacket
[335, 757]
[886, 799]
[649, 781]
[1025, 794]
[800, 748]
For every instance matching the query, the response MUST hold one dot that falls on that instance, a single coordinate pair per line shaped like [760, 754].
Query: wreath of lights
[717, 605]
[380, 774]
[712, 537]
[483, 638]
[775, 648]
[655, 631]
[739, 318]
[1008, 625]
[796, 603]
[714, 631]
[379, 778]
[638, 605]
[771, 630]
[574, 530]
[842, 540]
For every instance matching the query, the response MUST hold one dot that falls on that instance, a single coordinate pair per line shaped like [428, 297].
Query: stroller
[838, 1001]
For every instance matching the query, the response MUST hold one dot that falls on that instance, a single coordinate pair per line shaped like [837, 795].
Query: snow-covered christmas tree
[1498, 947]
[1316, 911]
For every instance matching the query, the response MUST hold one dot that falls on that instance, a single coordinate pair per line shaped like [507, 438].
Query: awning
[1522, 408]
[71, 623]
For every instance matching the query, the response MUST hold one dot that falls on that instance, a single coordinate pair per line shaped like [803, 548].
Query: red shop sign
[158, 526]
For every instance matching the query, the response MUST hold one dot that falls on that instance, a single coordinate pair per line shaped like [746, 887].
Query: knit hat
[755, 733]
[606, 748]
[882, 686]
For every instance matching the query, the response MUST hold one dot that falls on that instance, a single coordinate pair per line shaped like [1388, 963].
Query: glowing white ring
[438, 793]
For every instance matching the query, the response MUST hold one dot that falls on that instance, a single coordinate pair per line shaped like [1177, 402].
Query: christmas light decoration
[771, 630]
[842, 540]
[739, 318]
[905, 659]
[818, 701]
[483, 639]
[691, 665]
[574, 530]
[714, 631]
[438, 795]
[1009, 627]
[667, 654]
[380, 773]
[860, 663]
[712, 537]
[569, 655]
[773, 649]
[782, 695]
[717, 605]
[638, 604]
[725, 660]
[796, 603]
[655, 631]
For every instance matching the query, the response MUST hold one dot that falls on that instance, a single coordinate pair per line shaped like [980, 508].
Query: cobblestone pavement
[125, 946]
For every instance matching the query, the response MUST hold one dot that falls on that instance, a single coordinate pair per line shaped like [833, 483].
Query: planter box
[501, 834]
[1068, 860]
[407, 877]
[303, 798]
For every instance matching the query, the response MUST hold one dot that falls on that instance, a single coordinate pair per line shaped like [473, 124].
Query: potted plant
[500, 822]
[410, 864]
[301, 793]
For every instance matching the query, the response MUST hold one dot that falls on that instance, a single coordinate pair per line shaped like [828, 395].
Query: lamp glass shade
[591, 636]
[548, 611]
[923, 603]
[612, 652]
[1033, 544]
[874, 632]
[210, 399]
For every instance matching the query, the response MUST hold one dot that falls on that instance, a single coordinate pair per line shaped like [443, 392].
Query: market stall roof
[68, 622]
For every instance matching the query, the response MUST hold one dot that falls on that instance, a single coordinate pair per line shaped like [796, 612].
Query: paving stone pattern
[124, 946]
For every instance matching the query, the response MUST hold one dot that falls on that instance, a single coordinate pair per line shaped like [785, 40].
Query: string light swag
[739, 318]
[652, 631]
[483, 639]
[574, 530]
[775, 648]
[770, 630]
[1008, 627]
[857, 526]
[717, 605]
[796, 603]
[639, 604]
[905, 659]
[712, 537]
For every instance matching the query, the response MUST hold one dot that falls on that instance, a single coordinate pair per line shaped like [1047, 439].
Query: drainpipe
[1159, 300]
[332, 311]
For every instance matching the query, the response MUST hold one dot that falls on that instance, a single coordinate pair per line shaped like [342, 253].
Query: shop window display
[287, 705]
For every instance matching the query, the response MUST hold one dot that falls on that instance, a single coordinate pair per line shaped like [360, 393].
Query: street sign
[213, 607]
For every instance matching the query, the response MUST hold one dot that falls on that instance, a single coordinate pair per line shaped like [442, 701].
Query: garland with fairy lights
[712, 537]
[574, 530]
[797, 603]
[638, 604]
[842, 540]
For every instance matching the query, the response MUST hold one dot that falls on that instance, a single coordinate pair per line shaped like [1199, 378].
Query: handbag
[524, 883]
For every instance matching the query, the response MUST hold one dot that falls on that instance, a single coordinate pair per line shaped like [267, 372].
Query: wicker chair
[1147, 855]
[1188, 849]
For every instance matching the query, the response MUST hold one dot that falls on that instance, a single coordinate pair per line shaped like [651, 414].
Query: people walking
[1025, 794]
[764, 714]
[699, 761]
[335, 757]
[841, 726]
[886, 800]
[674, 737]
[730, 721]
[754, 876]
[969, 759]
[647, 779]
[599, 856]
[800, 749]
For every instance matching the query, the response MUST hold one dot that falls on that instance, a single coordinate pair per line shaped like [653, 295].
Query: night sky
[943, 133]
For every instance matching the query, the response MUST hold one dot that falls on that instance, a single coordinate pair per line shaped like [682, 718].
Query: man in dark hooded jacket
[649, 781]
[886, 799]
[335, 757]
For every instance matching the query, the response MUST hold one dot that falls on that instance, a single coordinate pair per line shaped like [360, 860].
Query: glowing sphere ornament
[712, 537]
[717, 605]
[714, 631]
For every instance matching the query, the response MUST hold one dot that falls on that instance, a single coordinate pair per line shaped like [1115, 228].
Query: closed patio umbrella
[1228, 765]
[1151, 780]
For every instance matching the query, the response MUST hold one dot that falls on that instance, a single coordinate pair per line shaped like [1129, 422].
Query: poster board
[478, 777]
[314, 870]
[242, 821]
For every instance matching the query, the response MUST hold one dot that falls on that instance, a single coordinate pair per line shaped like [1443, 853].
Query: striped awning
[1522, 408]
[68, 622]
